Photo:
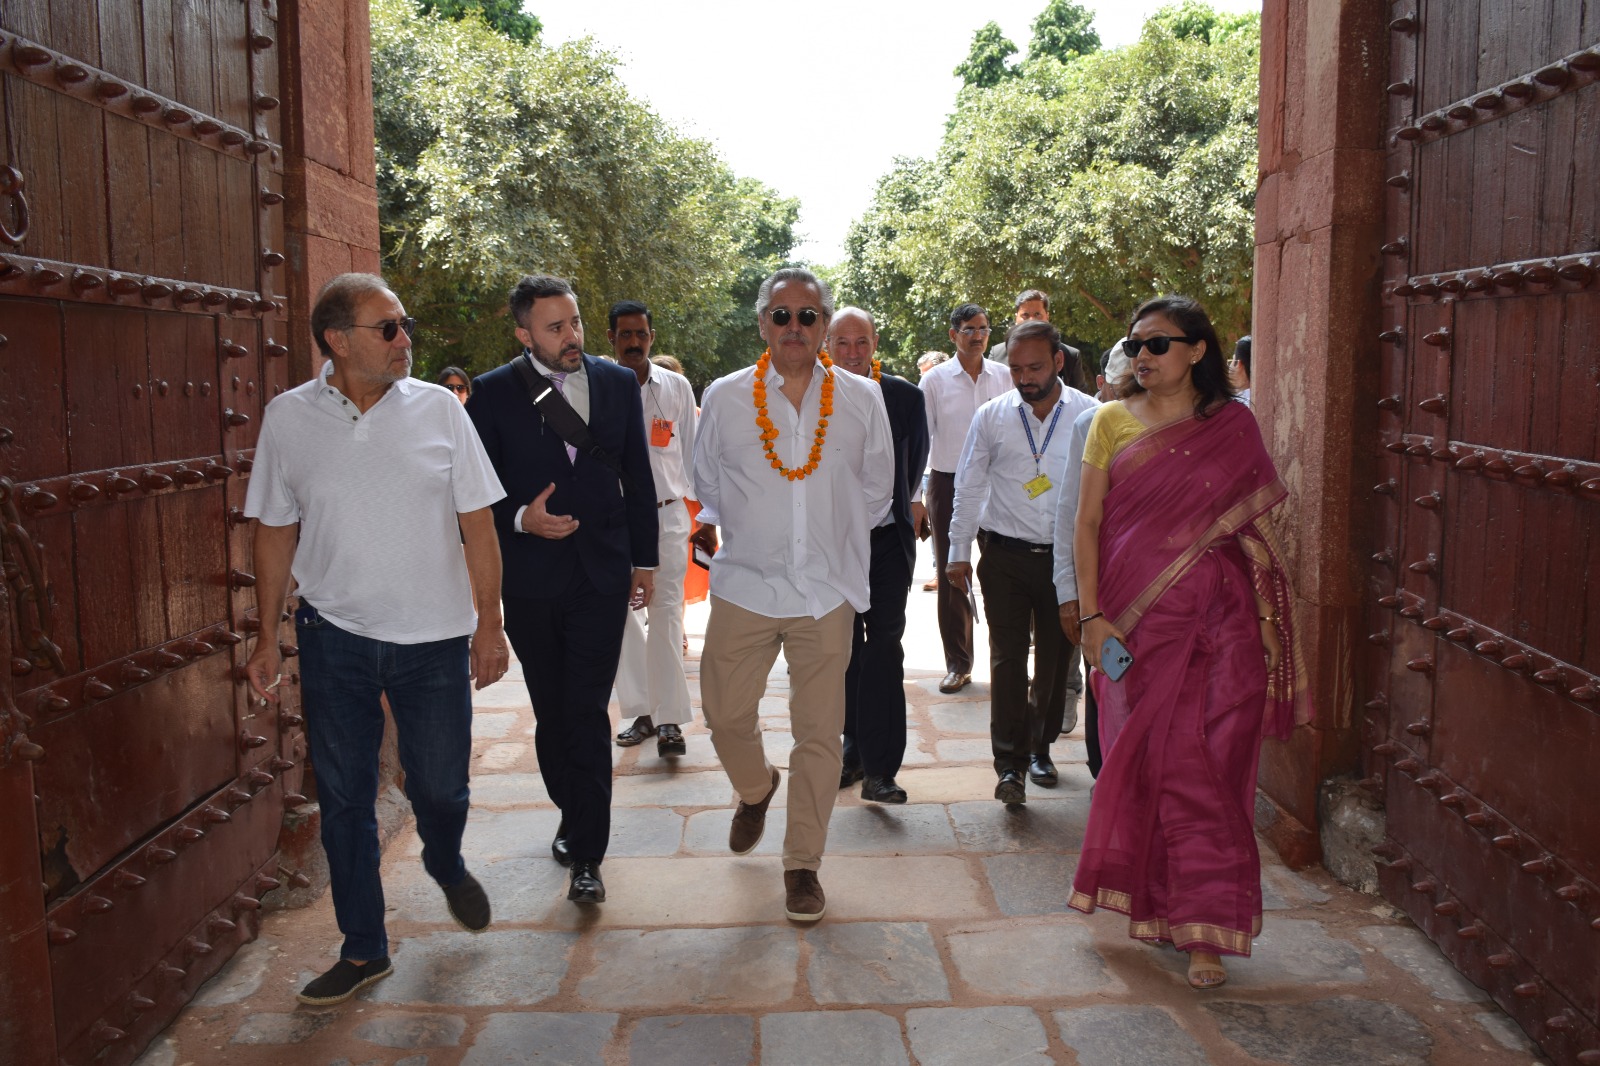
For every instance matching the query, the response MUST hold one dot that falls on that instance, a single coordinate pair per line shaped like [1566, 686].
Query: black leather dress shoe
[640, 731]
[882, 790]
[586, 885]
[1041, 771]
[558, 847]
[669, 741]
[954, 681]
[1010, 790]
[849, 775]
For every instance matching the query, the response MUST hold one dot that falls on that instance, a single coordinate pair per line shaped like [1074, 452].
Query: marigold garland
[877, 370]
[769, 432]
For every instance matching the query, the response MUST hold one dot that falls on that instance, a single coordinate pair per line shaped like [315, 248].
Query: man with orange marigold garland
[794, 461]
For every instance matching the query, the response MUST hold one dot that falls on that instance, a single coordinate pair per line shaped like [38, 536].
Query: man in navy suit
[578, 535]
[874, 686]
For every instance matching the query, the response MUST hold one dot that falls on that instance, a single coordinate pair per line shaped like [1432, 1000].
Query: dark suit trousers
[569, 646]
[874, 685]
[1019, 598]
[1091, 728]
[955, 616]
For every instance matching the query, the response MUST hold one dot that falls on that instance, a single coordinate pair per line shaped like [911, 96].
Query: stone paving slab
[241, 977]
[413, 1030]
[810, 1038]
[509, 790]
[1330, 1032]
[693, 1040]
[519, 1039]
[875, 962]
[962, 1036]
[1128, 1036]
[490, 969]
[505, 693]
[1411, 950]
[990, 827]
[1289, 952]
[1034, 960]
[1031, 883]
[519, 890]
[740, 967]
[493, 726]
[965, 718]
[702, 788]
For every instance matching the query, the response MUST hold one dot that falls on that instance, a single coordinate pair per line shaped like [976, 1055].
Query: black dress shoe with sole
[669, 741]
[954, 681]
[468, 904]
[849, 775]
[640, 731]
[586, 886]
[882, 790]
[343, 981]
[1010, 790]
[559, 850]
[1041, 771]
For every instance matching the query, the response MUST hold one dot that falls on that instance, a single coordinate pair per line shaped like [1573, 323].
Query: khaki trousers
[740, 648]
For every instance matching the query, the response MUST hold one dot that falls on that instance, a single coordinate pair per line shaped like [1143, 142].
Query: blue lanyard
[1038, 453]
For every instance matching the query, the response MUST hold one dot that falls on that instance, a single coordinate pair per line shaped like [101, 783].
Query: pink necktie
[560, 382]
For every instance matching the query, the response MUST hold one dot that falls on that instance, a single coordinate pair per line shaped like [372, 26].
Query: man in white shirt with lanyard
[1006, 489]
[953, 392]
[795, 462]
[651, 687]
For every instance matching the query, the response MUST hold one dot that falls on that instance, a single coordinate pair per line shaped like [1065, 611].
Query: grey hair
[931, 359]
[863, 312]
[336, 304]
[764, 295]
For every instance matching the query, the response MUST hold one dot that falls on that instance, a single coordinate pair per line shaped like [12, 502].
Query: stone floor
[946, 942]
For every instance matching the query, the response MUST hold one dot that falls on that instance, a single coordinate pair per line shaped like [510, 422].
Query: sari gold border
[1187, 936]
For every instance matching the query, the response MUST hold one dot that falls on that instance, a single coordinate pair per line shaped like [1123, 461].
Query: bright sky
[878, 73]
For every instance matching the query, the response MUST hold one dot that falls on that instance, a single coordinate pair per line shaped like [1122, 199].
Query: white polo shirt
[376, 496]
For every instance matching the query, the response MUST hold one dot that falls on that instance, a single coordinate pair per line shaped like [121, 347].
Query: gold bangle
[1269, 618]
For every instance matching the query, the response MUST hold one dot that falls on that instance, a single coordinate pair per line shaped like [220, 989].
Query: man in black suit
[874, 692]
[578, 535]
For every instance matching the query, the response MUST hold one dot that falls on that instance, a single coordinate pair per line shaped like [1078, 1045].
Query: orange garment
[697, 582]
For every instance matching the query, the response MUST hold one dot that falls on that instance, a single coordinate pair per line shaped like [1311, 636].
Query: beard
[563, 360]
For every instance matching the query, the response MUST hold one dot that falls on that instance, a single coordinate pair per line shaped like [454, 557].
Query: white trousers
[650, 675]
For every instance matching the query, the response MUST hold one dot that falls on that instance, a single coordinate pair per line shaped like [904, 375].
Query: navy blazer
[908, 426]
[616, 529]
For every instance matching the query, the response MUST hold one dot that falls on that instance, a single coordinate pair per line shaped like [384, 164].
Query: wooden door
[140, 335]
[1485, 586]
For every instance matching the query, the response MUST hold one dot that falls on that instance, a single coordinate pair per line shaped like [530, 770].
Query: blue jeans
[342, 676]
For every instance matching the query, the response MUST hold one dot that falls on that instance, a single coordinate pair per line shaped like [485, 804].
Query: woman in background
[455, 379]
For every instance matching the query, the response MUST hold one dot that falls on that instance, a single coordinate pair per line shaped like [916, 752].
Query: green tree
[496, 158]
[1196, 19]
[1103, 181]
[987, 63]
[1063, 30]
[506, 16]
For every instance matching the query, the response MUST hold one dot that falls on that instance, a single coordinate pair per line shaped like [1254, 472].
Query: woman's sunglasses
[781, 316]
[1156, 345]
[391, 327]
[457, 387]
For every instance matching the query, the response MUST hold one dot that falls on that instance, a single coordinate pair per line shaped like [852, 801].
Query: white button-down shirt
[952, 398]
[670, 397]
[998, 461]
[1065, 570]
[792, 549]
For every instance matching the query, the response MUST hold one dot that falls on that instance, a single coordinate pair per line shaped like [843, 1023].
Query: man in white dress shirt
[794, 462]
[953, 392]
[651, 687]
[1011, 471]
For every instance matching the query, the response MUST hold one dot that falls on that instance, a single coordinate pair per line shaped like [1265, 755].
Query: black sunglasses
[452, 387]
[1157, 345]
[781, 315]
[392, 326]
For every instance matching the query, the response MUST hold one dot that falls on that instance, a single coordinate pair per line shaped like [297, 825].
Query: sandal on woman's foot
[1206, 972]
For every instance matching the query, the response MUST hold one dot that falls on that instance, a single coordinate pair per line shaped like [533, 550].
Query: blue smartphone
[1115, 658]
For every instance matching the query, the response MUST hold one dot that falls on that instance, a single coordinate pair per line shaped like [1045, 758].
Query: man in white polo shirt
[372, 490]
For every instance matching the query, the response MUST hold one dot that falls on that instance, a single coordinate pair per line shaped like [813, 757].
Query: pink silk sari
[1171, 840]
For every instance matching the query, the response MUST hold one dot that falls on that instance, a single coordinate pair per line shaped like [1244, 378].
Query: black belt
[988, 539]
[663, 503]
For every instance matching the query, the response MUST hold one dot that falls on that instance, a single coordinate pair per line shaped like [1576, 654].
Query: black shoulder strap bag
[559, 416]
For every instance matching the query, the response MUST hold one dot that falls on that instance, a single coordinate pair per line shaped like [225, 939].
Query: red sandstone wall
[1319, 213]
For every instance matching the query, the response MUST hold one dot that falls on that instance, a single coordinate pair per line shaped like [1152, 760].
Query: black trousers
[874, 685]
[1019, 598]
[955, 616]
[569, 646]
[1091, 728]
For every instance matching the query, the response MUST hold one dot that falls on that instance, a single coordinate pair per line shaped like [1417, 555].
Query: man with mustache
[578, 535]
[1007, 484]
[794, 461]
[651, 687]
[875, 695]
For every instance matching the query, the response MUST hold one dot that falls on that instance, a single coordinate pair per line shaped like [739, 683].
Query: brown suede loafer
[750, 821]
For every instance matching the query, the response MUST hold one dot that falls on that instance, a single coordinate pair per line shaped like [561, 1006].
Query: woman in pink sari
[1174, 561]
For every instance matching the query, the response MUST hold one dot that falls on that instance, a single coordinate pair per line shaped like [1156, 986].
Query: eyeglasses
[391, 326]
[974, 331]
[1156, 345]
[453, 388]
[781, 315]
